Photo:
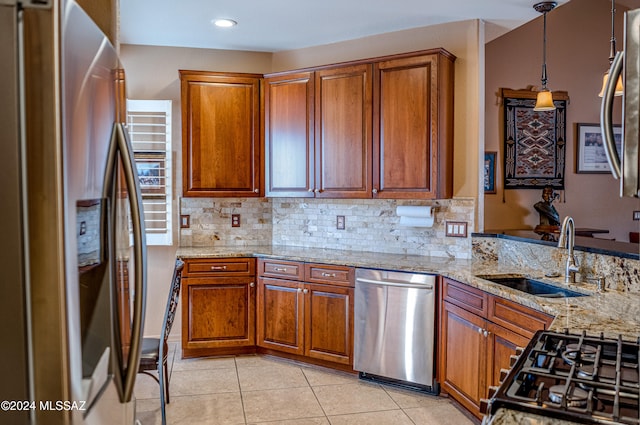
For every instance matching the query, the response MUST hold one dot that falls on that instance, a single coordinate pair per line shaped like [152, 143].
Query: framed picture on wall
[490, 172]
[590, 155]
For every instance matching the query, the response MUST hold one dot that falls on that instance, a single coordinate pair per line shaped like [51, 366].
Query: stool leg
[166, 381]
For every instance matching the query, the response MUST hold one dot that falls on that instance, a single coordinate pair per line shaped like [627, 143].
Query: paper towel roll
[415, 216]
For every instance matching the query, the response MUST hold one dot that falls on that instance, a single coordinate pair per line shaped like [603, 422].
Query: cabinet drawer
[516, 317]
[220, 267]
[323, 273]
[465, 296]
[282, 269]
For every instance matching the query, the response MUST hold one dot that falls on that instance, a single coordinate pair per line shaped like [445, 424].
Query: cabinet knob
[252, 285]
[310, 190]
[480, 331]
[374, 191]
[486, 333]
[316, 190]
[256, 190]
[299, 289]
[305, 291]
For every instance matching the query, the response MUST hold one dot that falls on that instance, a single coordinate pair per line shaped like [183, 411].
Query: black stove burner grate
[587, 379]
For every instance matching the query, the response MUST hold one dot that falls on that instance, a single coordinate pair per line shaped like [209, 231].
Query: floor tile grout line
[244, 412]
[324, 412]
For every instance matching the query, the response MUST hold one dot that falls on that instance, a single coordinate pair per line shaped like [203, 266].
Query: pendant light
[544, 99]
[612, 53]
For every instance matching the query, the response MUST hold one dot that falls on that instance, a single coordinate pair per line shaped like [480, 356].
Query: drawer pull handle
[218, 267]
[280, 269]
[323, 274]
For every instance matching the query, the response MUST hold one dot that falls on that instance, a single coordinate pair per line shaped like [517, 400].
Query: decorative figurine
[549, 217]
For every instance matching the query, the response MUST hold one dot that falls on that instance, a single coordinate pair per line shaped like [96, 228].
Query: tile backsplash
[370, 224]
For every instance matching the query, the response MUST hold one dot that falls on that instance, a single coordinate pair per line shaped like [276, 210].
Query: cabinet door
[217, 313]
[343, 122]
[289, 135]
[502, 345]
[463, 356]
[413, 128]
[220, 134]
[280, 315]
[329, 323]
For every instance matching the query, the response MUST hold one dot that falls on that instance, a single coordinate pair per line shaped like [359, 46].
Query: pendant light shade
[544, 99]
[612, 53]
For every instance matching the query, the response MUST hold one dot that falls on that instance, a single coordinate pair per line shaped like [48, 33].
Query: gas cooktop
[586, 379]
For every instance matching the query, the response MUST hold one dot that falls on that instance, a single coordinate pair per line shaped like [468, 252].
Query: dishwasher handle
[395, 283]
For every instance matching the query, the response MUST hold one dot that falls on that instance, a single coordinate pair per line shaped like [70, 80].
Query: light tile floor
[252, 390]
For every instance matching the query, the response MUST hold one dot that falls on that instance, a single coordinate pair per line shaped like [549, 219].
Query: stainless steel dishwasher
[394, 335]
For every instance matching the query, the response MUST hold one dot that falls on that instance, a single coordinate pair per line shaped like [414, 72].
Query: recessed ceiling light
[224, 23]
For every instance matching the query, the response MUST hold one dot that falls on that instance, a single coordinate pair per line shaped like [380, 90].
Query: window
[149, 125]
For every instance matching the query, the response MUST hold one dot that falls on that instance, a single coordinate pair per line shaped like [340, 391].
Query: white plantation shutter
[149, 126]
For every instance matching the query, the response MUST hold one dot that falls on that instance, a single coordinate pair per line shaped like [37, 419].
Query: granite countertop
[612, 313]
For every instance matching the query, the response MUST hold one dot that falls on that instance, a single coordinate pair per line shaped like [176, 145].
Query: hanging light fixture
[612, 53]
[544, 99]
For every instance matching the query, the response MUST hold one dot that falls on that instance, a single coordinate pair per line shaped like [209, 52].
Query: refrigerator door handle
[121, 145]
[606, 121]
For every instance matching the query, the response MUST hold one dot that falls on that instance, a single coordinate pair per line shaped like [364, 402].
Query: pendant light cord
[544, 52]
[612, 51]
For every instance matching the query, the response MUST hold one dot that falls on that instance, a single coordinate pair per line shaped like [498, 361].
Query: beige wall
[152, 73]
[578, 36]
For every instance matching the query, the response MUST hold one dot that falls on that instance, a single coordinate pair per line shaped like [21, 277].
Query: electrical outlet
[184, 221]
[636, 215]
[456, 229]
[235, 220]
[340, 223]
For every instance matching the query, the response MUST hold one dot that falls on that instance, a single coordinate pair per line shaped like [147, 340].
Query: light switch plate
[636, 215]
[340, 222]
[456, 229]
[184, 221]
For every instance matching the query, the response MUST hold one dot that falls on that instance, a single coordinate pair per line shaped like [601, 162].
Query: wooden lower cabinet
[310, 320]
[301, 317]
[463, 356]
[280, 314]
[329, 323]
[473, 348]
[218, 307]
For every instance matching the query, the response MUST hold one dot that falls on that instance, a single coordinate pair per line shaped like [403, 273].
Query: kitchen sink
[533, 287]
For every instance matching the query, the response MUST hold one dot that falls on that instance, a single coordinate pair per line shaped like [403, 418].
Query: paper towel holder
[415, 216]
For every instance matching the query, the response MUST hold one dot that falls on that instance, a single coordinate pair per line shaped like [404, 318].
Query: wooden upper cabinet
[289, 135]
[221, 134]
[343, 122]
[413, 127]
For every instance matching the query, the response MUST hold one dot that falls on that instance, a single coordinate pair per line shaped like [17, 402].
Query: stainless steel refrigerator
[72, 269]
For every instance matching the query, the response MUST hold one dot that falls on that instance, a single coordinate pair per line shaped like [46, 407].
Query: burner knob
[519, 351]
[503, 374]
[513, 360]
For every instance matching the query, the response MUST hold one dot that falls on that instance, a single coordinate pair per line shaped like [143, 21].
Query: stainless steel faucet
[567, 240]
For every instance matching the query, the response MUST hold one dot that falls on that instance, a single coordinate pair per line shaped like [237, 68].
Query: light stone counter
[612, 312]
